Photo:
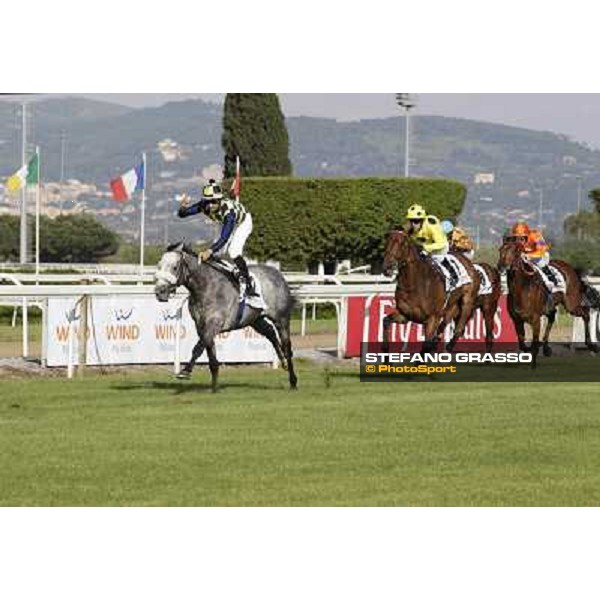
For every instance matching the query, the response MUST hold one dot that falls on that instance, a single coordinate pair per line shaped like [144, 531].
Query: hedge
[302, 221]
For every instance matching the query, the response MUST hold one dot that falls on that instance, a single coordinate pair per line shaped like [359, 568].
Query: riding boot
[246, 282]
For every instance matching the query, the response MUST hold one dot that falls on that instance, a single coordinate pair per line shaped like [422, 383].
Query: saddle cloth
[486, 285]
[553, 289]
[258, 301]
[463, 276]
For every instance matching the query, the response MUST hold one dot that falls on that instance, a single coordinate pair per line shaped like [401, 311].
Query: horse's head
[173, 270]
[510, 255]
[396, 251]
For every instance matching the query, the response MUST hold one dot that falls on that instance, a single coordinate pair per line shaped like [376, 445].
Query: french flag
[124, 187]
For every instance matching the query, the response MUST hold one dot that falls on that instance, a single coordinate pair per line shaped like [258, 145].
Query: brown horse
[529, 299]
[421, 292]
[488, 304]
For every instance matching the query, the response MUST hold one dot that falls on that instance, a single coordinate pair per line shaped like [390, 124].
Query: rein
[412, 254]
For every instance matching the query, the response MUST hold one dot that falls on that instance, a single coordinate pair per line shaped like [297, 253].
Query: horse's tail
[590, 295]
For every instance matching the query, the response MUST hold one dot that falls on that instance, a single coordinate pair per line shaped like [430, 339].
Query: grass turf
[143, 439]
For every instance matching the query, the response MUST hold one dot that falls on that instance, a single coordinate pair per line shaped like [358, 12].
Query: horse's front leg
[388, 320]
[489, 310]
[449, 317]
[213, 364]
[431, 338]
[467, 310]
[536, 326]
[550, 323]
[519, 324]
[186, 372]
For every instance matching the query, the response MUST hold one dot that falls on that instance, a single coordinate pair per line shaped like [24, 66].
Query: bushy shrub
[302, 221]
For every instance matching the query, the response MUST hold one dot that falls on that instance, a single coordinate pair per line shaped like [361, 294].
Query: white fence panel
[129, 330]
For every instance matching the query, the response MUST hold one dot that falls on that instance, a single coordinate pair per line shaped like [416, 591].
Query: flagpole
[237, 174]
[37, 218]
[23, 241]
[143, 223]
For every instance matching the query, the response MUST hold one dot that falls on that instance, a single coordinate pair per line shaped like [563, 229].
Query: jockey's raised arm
[236, 227]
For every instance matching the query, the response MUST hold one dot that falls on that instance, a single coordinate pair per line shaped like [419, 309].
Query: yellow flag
[17, 181]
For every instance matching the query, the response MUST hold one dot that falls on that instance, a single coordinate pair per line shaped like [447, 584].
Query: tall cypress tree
[254, 129]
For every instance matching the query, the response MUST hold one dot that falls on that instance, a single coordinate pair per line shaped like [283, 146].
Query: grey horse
[214, 305]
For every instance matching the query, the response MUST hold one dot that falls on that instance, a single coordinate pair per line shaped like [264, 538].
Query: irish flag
[124, 187]
[28, 174]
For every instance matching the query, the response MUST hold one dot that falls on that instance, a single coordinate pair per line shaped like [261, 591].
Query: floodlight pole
[406, 102]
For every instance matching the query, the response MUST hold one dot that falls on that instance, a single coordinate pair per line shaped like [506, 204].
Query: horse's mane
[182, 246]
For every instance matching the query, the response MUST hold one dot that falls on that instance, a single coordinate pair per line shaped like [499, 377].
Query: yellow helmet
[212, 191]
[416, 212]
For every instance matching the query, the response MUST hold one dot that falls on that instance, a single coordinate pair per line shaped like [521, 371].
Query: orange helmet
[521, 230]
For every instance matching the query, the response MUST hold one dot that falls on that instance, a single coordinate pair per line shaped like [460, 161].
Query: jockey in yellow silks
[426, 231]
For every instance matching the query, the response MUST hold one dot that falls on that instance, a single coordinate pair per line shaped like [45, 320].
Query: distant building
[485, 178]
[169, 150]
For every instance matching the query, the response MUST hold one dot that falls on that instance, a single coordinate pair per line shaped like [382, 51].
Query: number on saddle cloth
[453, 272]
[553, 279]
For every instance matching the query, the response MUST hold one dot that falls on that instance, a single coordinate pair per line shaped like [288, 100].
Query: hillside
[104, 139]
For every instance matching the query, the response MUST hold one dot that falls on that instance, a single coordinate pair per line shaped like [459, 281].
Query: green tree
[9, 238]
[584, 226]
[76, 238]
[254, 129]
[594, 195]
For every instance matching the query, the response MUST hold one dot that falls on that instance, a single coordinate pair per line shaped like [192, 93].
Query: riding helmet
[416, 213]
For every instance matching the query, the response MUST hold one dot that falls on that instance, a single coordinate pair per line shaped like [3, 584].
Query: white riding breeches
[439, 255]
[238, 239]
[540, 262]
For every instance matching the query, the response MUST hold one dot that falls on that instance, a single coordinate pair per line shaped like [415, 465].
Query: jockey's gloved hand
[184, 200]
[206, 255]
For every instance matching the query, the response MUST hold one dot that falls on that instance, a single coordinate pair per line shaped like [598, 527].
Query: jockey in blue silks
[236, 227]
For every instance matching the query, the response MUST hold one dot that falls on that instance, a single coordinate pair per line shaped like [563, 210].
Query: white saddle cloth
[257, 301]
[486, 285]
[463, 276]
[553, 289]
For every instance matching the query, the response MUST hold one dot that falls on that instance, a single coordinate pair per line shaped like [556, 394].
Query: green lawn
[144, 439]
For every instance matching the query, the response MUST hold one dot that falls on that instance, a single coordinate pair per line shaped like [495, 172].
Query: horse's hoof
[547, 351]
[184, 376]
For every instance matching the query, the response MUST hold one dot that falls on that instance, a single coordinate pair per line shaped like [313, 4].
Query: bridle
[177, 279]
[401, 242]
[518, 263]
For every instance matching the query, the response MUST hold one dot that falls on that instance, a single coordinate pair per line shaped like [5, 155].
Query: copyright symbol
[370, 369]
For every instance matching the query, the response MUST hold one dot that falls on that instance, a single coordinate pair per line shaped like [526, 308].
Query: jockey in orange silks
[537, 250]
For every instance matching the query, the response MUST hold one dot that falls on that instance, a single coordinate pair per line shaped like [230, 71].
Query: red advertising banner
[364, 323]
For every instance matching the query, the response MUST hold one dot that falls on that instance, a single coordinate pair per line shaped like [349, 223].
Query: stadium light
[407, 103]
